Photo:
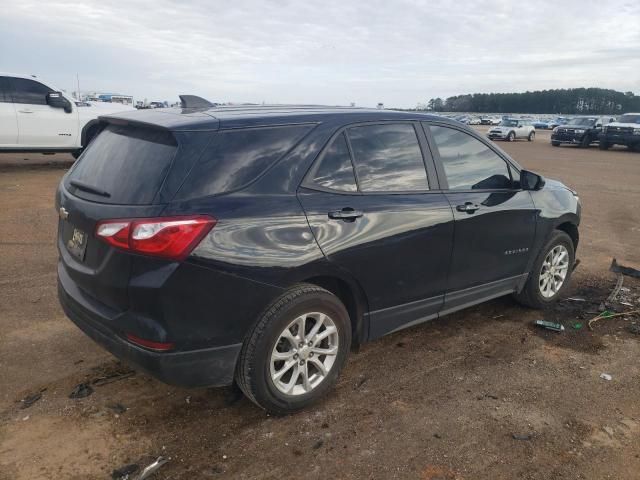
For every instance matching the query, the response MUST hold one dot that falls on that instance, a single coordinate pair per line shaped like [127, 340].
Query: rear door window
[5, 96]
[334, 170]
[29, 91]
[127, 164]
[388, 158]
[235, 158]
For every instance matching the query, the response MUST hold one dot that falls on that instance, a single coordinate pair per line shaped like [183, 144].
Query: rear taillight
[150, 344]
[168, 237]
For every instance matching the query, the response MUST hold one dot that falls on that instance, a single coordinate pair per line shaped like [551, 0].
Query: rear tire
[531, 137]
[537, 292]
[277, 350]
[603, 145]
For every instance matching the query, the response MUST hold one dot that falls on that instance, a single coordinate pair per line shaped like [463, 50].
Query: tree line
[584, 101]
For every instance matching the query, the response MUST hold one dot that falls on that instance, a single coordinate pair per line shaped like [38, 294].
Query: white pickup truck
[37, 117]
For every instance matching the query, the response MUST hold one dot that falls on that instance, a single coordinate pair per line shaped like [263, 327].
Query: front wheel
[511, 137]
[551, 272]
[296, 351]
[531, 136]
[555, 144]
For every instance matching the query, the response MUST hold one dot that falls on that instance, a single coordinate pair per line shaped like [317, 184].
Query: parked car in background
[37, 117]
[624, 131]
[541, 124]
[512, 129]
[581, 131]
[556, 122]
[474, 121]
[204, 249]
[486, 120]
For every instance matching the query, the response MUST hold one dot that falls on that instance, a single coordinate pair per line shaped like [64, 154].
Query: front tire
[551, 272]
[511, 137]
[603, 145]
[294, 354]
[555, 144]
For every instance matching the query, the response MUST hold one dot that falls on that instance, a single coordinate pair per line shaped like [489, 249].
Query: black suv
[258, 244]
[580, 131]
[625, 131]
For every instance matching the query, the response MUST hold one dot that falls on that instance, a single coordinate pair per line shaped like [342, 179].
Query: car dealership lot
[440, 400]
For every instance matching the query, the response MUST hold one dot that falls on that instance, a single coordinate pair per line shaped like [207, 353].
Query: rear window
[237, 157]
[123, 165]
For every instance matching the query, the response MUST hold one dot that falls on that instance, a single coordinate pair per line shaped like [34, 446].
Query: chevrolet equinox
[257, 244]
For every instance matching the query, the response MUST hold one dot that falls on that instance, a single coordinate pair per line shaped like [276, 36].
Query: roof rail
[193, 101]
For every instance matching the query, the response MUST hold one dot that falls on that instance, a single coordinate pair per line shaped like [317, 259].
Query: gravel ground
[480, 394]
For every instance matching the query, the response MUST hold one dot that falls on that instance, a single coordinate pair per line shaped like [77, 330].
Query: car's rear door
[376, 213]
[8, 119]
[495, 220]
[40, 125]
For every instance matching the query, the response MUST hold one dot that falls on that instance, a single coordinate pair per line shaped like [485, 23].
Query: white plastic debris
[606, 376]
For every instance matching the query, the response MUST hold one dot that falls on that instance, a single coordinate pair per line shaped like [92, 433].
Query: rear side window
[388, 158]
[29, 91]
[237, 157]
[335, 171]
[468, 163]
[127, 163]
[5, 97]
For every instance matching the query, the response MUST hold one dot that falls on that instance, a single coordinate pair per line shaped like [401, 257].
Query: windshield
[583, 122]
[629, 119]
[509, 123]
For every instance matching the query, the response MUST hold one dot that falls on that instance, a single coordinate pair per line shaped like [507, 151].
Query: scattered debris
[29, 400]
[112, 378]
[123, 473]
[608, 314]
[608, 430]
[616, 290]
[575, 299]
[437, 435]
[82, 390]
[606, 376]
[24, 419]
[497, 316]
[518, 436]
[556, 327]
[361, 381]
[152, 468]
[318, 444]
[628, 271]
[628, 304]
[577, 326]
[117, 408]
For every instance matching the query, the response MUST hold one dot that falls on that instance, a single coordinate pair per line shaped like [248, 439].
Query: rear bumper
[206, 367]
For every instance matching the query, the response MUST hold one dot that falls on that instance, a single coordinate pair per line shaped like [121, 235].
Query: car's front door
[8, 119]
[495, 220]
[39, 125]
[370, 207]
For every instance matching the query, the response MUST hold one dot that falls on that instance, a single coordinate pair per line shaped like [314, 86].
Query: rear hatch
[122, 174]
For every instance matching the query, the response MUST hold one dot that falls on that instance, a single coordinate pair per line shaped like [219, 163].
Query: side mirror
[598, 125]
[531, 181]
[57, 100]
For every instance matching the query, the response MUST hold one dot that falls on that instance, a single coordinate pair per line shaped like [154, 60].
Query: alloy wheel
[554, 271]
[304, 353]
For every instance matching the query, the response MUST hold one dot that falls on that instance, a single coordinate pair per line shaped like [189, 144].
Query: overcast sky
[329, 52]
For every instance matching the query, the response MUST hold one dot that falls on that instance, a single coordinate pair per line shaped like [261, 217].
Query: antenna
[193, 101]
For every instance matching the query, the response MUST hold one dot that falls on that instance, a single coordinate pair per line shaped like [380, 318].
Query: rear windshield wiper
[89, 188]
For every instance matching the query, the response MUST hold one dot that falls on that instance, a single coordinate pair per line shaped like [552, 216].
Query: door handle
[25, 111]
[347, 214]
[468, 207]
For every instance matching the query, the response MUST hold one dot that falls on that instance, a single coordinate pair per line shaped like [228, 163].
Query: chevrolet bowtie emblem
[63, 213]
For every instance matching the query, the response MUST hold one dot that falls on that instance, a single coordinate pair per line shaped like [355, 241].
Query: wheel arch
[570, 229]
[353, 298]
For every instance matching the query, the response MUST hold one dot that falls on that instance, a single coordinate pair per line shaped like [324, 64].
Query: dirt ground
[481, 394]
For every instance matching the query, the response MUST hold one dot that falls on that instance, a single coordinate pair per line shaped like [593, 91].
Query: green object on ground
[577, 326]
[556, 327]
